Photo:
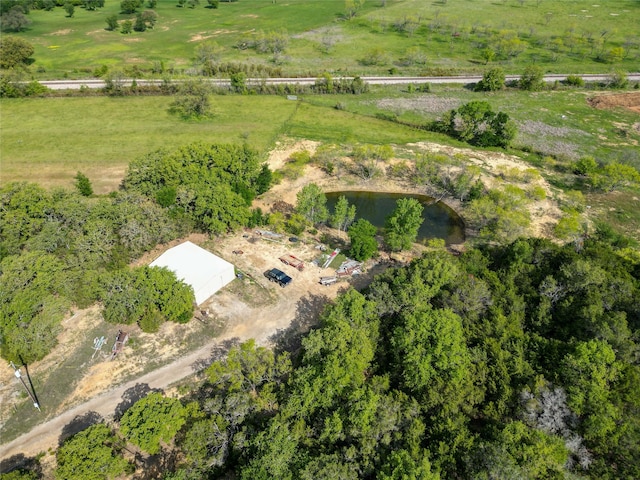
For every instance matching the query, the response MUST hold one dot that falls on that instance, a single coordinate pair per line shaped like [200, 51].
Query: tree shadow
[131, 396]
[218, 352]
[308, 310]
[156, 466]
[21, 463]
[78, 424]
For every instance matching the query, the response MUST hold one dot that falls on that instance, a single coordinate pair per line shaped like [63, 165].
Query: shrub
[492, 80]
[574, 81]
[532, 79]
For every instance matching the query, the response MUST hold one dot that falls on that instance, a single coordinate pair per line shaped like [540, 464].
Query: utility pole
[16, 372]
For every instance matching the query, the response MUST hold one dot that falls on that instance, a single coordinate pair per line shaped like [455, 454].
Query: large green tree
[401, 228]
[312, 203]
[362, 236]
[476, 123]
[92, 454]
[153, 420]
[214, 183]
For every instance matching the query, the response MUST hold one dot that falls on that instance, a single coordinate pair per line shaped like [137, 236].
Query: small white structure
[205, 272]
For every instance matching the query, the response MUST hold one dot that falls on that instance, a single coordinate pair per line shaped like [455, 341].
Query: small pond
[440, 221]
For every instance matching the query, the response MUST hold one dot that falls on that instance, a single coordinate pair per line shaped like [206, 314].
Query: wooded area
[505, 362]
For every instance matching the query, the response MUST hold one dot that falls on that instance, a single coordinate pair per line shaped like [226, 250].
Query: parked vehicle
[278, 276]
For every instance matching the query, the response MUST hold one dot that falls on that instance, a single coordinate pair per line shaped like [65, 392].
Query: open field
[48, 140]
[410, 36]
[561, 123]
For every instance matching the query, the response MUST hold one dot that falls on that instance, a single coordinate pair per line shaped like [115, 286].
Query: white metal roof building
[205, 272]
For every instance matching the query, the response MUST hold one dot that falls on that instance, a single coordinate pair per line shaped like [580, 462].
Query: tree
[14, 52]
[432, 356]
[130, 6]
[476, 123]
[152, 420]
[588, 373]
[488, 55]
[126, 27]
[492, 80]
[401, 466]
[352, 7]
[238, 82]
[192, 100]
[32, 305]
[585, 165]
[83, 184]
[214, 183]
[208, 55]
[532, 79]
[614, 176]
[311, 202]
[14, 20]
[213, 3]
[93, 4]
[70, 9]
[112, 22]
[92, 454]
[139, 25]
[343, 214]
[401, 228]
[148, 296]
[362, 236]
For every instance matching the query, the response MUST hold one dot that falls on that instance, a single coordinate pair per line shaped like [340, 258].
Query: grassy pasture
[47, 140]
[561, 35]
[557, 123]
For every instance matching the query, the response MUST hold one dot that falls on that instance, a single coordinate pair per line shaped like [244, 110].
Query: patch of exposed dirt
[630, 100]
[544, 213]
[59, 33]
[204, 35]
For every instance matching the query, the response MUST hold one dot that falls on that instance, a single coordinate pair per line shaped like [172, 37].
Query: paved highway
[94, 83]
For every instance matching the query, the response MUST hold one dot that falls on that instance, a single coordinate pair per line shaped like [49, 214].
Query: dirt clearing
[629, 100]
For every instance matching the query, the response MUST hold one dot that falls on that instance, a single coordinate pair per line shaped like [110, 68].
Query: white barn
[205, 272]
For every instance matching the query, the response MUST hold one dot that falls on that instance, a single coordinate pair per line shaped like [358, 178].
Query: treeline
[505, 362]
[63, 248]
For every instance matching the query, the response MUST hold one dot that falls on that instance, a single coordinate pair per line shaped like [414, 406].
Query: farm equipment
[121, 340]
[295, 262]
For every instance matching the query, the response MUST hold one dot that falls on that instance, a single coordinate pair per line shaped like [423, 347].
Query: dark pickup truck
[275, 275]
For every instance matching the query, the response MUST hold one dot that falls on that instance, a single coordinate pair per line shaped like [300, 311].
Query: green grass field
[48, 140]
[564, 36]
[559, 123]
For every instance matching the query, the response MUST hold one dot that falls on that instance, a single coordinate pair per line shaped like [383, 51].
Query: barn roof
[197, 267]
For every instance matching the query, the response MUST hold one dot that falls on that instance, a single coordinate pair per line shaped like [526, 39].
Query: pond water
[440, 221]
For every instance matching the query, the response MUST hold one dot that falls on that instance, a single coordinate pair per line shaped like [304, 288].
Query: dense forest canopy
[514, 362]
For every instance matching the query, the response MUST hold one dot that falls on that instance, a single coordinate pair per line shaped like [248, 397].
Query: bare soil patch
[62, 32]
[630, 101]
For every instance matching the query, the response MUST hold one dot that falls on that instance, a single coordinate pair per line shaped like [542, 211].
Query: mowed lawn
[48, 140]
